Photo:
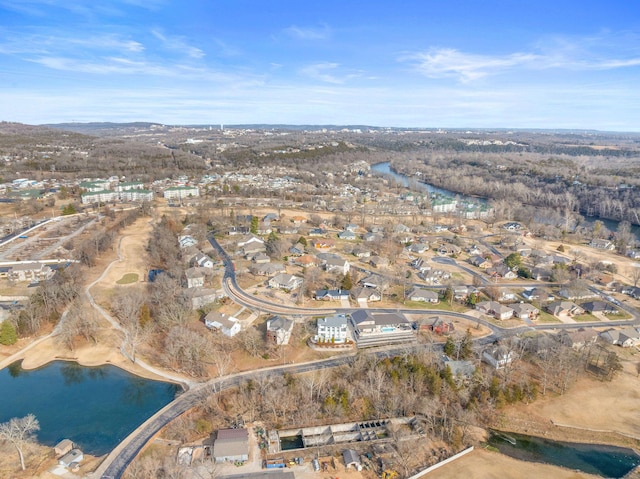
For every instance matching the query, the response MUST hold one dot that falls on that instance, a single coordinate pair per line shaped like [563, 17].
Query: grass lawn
[547, 318]
[585, 318]
[128, 278]
[618, 316]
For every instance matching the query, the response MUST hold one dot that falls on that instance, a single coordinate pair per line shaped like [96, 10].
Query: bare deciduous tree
[19, 432]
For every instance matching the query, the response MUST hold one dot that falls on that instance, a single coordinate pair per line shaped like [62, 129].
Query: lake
[95, 407]
[601, 460]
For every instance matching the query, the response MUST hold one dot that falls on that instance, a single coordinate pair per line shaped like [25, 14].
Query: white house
[288, 282]
[424, 295]
[194, 278]
[228, 325]
[202, 260]
[279, 330]
[332, 329]
[495, 309]
[498, 356]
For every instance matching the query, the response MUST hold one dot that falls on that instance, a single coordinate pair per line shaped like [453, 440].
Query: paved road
[115, 464]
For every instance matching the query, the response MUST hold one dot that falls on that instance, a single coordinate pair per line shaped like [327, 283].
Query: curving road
[114, 465]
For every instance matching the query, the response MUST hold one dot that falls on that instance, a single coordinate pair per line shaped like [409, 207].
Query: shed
[74, 456]
[63, 447]
[231, 445]
[351, 458]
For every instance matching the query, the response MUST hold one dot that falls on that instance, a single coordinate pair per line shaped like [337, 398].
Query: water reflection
[95, 407]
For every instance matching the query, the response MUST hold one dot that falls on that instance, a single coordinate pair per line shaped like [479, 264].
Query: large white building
[180, 192]
[103, 196]
[136, 195]
[332, 329]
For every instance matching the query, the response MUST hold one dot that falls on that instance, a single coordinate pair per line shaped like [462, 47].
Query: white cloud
[178, 43]
[327, 72]
[449, 62]
[308, 33]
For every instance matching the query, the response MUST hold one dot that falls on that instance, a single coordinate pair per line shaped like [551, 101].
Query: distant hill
[102, 128]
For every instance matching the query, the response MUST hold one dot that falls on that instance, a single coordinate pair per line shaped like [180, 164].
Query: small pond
[601, 460]
[95, 407]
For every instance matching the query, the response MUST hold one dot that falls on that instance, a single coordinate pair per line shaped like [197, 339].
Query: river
[384, 169]
[95, 407]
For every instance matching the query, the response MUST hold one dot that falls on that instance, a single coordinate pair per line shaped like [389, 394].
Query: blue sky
[447, 63]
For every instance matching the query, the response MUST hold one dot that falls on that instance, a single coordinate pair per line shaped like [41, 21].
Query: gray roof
[381, 319]
[231, 442]
[350, 457]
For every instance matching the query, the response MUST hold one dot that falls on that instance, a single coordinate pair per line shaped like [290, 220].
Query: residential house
[288, 230]
[332, 329]
[602, 244]
[251, 249]
[625, 337]
[34, 272]
[231, 445]
[238, 230]
[267, 269]
[512, 226]
[351, 227]
[401, 229]
[322, 244]
[249, 239]
[305, 261]
[186, 241]
[315, 232]
[366, 294]
[194, 278]
[347, 235]
[480, 262]
[228, 325]
[260, 258]
[599, 307]
[498, 356]
[371, 237]
[564, 309]
[288, 282]
[279, 330]
[524, 310]
[202, 260]
[337, 264]
[578, 339]
[360, 252]
[297, 249]
[374, 329]
[418, 248]
[576, 293]
[447, 249]
[331, 294]
[371, 281]
[438, 325]
[298, 220]
[501, 270]
[378, 261]
[423, 295]
[537, 294]
[202, 296]
[495, 309]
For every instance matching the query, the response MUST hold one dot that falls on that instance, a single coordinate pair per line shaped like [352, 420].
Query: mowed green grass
[128, 278]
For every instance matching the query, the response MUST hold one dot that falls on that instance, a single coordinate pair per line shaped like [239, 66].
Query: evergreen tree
[302, 240]
[8, 334]
[347, 283]
[254, 225]
[449, 347]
